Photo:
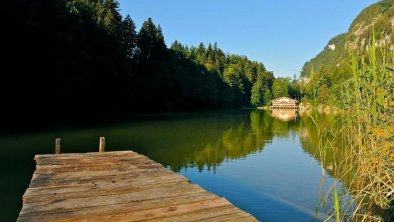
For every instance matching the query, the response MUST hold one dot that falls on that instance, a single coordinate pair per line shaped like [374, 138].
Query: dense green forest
[80, 57]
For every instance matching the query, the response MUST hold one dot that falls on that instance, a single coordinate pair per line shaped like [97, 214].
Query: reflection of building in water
[284, 115]
[284, 103]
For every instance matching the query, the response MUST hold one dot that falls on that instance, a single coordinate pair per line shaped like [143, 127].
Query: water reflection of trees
[243, 137]
[242, 134]
[331, 152]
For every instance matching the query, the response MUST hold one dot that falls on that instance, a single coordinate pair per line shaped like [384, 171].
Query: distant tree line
[80, 57]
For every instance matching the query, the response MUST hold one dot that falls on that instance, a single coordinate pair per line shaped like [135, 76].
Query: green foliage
[261, 91]
[76, 55]
[234, 75]
[256, 98]
[109, 16]
[267, 97]
[295, 90]
[84, 55]
[129, 37]
[328, 57]
[331, 66]
[361, 85]
[366, 131]
[150, 41]
[280, 87]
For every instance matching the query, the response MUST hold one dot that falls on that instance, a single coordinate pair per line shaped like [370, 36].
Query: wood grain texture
[117, 186]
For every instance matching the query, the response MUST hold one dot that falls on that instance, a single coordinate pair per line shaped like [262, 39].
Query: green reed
[365, 129]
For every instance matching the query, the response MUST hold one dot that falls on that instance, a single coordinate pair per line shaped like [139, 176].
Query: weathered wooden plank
[74, 203]
[121, 207]
[101, 167]
[237, 216]
[117, 186]
[46, 179]
[93, 159]
[147, 214]
[136, 176]
[87, 155]
[202, 215]
[96, 191]
[66, 159]
[97, 169]
[140, 180]
[101, 162]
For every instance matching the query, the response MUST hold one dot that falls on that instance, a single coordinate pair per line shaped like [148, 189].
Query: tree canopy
[80, 57]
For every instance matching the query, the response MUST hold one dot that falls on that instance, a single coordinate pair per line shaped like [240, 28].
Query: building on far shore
[284, 103]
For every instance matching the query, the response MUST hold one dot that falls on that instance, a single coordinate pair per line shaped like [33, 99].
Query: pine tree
[177, 47]
[201, 53]
[111, 18]
[150, 40]
[129, 37]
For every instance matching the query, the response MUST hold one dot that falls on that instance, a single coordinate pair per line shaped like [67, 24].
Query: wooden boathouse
[283, 103]
[117, 186]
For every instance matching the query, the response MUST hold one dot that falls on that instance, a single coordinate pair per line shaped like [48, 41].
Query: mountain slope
[328, 57]
[378, 18]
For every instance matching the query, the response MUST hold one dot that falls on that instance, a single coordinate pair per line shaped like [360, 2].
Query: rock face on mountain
[377, 18]
[329, 57]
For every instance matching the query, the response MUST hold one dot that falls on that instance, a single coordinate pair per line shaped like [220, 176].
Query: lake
[266, 164]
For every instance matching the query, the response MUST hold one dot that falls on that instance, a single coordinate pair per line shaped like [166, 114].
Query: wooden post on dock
[102, 144]
[57, 145]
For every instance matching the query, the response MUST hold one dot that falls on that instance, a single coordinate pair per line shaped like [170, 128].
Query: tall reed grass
[364, 135]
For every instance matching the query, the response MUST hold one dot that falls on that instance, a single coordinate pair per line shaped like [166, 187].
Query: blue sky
[282, 34]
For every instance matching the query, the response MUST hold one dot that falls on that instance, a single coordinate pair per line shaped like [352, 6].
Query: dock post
[57, 145]
[102, 144]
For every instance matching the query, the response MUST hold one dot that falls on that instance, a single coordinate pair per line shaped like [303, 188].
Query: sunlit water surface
[266, 166]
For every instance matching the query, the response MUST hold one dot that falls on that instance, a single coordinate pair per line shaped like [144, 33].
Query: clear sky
[282, 34]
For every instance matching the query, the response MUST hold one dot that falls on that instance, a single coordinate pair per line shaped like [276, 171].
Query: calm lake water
[267, 166]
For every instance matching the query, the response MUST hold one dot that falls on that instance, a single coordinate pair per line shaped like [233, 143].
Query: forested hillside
[80, 57]
[330, 67]
[328, 58]
[378, 17]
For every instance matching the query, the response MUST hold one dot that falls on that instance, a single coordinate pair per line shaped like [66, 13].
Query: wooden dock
[117, 186]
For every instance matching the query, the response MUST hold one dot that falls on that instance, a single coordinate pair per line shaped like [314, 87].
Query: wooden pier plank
[118, 186]
[153, 176]
[133, 205]
[138, 181]
[108, 200]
